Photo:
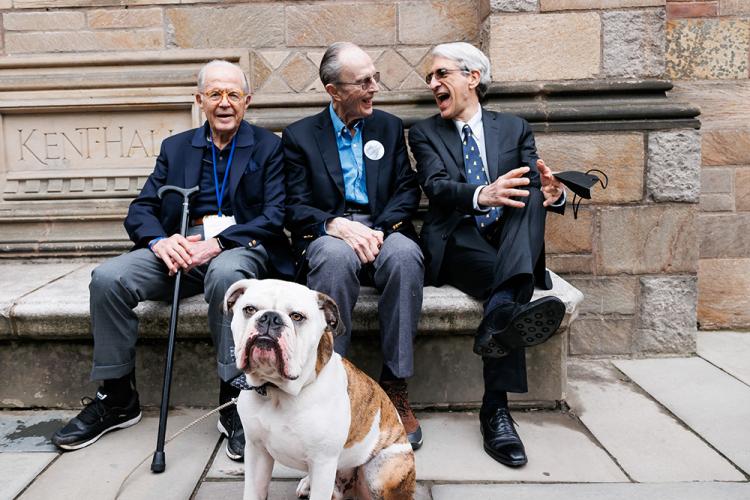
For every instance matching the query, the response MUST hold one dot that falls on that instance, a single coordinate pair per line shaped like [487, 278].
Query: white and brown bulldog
[319, 414]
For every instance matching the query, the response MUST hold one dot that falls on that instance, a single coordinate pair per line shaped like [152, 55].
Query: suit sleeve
[269, 224]
[437, 183]
[142, 222]
[404, 190]
[529, 156]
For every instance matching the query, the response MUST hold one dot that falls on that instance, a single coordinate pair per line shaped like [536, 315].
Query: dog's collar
[260, 389]
[241, 383]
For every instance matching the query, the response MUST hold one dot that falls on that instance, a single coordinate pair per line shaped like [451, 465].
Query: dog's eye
[249, 310]
[297, 317]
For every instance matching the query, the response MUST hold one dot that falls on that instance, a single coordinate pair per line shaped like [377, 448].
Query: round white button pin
[374, 150]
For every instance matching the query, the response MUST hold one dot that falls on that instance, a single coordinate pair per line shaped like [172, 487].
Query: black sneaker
[230, 426]
[95, 420]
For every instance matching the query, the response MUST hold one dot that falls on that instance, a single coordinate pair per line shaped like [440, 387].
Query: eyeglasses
[366, 82]
[442, 73]
[216, 95]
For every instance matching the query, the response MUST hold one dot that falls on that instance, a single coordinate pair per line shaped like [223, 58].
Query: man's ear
[331, 312]
[332, 91]
[235, 292]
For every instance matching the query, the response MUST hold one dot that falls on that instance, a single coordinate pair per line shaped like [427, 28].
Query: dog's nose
[270, 323]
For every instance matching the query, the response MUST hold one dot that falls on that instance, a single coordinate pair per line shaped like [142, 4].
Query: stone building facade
[89, 88]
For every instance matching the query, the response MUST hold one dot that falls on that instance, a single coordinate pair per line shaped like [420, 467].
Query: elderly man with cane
[234, 232]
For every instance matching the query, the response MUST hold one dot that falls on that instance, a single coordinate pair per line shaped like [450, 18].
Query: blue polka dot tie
[475, 175]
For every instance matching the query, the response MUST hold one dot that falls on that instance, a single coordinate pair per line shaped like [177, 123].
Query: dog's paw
[303, 488]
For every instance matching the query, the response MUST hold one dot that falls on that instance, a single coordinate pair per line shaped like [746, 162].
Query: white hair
[220, 63]
[469, 58]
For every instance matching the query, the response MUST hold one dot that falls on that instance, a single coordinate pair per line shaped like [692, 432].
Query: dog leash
[188, 426]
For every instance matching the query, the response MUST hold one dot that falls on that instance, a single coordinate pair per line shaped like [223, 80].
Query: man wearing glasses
[236, 222]
[484, 232]
[351, 194]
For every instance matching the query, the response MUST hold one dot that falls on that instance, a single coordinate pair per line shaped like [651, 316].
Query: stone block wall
[633, 250]
[708, 49]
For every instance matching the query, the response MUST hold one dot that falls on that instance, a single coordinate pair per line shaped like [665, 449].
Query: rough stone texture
[734, 7]
[620, 156]
[674, 166]
[742, 189]
[513, 5]
[437, 21]
[667, 322]
[726, 147]
[724, 235]
[43, 21]
[603, 336]
[80, 41]
[125, 18]
[322, 24]
[564, 46]
[634, 43]
[393, 69]
[647, 239]
[299, 72]
[564, 234]
[548, 5]
[708, 48]
[251, 26]
[722, 293]
[607, 295]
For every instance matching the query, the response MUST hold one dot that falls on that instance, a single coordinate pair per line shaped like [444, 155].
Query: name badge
[214, 224]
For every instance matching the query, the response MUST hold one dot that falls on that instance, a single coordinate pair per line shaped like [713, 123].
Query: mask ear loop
[576, 205]
[604, 182]
[577, 199]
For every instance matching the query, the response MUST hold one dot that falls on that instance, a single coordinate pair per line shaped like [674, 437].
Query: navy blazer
[255, 188]
[436, 146]
[315, 181]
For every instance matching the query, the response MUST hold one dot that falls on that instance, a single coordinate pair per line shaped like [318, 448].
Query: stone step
[729, 351]
[46, 329]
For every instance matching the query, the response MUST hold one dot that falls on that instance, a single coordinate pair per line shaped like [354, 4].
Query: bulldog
[311, 409]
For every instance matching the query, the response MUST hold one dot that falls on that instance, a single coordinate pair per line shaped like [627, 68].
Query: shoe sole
[225, 433]
[415, 445]
[124, 425]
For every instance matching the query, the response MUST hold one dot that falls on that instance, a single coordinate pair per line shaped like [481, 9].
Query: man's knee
[106, 277]
[223, 272]
[328, 252]
[400, 252]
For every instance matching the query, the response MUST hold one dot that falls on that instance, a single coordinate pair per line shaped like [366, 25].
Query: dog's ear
[331, 312]
[235, 292]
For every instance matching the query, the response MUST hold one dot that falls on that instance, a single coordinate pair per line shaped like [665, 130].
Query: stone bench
[46, 348]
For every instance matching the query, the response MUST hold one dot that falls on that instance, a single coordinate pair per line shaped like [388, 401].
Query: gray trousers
[120, 283]
[398, 275]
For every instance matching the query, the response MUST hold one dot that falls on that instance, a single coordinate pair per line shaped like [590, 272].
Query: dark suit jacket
[315, 181]
[255, 188]
[436, 146]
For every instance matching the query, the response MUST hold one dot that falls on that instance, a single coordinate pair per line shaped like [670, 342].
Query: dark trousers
[479, 266]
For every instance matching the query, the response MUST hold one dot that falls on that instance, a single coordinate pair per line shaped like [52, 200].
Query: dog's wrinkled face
[279, 328]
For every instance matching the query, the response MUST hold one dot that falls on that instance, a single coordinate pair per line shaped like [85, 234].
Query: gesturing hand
[175, 251]
[364, 241]
[501, 190]
[551, 188]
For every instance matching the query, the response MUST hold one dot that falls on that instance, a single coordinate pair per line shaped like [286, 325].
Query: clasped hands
[365, 241]
[502, 190]
[187, 253]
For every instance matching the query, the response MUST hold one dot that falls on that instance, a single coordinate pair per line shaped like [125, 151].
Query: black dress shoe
[510, 326]
[501, 440]
[230, 426]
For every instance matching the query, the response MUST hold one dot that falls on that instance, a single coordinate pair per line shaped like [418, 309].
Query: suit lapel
[491, 141]
[326, 138]
[370, 131]
[449, 135]
[194, 160]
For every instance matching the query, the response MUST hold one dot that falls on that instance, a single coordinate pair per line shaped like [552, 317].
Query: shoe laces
[94, 410]
[503, 421]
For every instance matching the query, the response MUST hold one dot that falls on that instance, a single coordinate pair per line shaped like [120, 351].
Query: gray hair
[467, 57]
[330, 66]
[220, 63]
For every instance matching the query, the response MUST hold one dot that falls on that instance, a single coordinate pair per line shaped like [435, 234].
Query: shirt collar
[244, 135]
[338, 124]
[475, 123]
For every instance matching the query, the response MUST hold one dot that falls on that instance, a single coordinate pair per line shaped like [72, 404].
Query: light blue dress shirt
[351, 157]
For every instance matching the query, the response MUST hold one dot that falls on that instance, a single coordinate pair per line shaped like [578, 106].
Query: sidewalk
[674, 428]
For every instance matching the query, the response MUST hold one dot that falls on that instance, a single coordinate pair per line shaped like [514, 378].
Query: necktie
[475, 175]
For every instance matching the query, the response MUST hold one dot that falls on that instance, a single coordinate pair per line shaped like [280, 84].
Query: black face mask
[581, 183]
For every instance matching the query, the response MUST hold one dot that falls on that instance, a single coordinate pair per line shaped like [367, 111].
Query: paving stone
[30, 431]
[730, 351]
[715, 405]
[674, 166]
[223, 468]
[617, 413]
[633, 43]
[707, 48]
[279, 490]
[675, 491]
[19, 469]
[722, 293]
[724, 236]
[667, 319]
[110, 459]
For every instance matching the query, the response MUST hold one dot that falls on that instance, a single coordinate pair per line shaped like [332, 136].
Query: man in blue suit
[235, 233]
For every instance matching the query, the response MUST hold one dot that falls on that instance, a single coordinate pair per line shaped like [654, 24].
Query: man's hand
[364, 241]
[501, 190]
[175, 251]
[203, 251]
[552, 189]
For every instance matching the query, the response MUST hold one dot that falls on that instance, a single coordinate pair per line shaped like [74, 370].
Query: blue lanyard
[220, 194]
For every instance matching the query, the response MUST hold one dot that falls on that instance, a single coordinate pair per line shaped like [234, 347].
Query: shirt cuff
[475, 201]
[153, 242]
[560, 201]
